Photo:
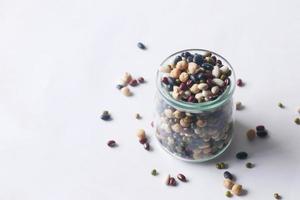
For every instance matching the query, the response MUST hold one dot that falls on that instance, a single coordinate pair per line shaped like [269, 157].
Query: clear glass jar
[210, 127]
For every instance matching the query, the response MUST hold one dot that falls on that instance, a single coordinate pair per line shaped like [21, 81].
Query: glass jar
[210, 126]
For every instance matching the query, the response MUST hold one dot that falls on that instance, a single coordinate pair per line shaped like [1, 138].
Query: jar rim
[196, 107]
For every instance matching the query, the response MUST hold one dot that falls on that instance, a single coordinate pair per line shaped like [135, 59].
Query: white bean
[215, 89]
[203, 86]
[216, 72]
[218, 82]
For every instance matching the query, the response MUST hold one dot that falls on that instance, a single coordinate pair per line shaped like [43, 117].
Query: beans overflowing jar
[194, 106]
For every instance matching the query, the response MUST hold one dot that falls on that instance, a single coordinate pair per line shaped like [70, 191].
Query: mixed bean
[195, 79]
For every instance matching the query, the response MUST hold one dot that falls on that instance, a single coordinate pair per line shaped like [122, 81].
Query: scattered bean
[260, 128]
[237, 189]
[137, 116]
[277, 196]
[262, 133]
[228, 175]
[251, 134]
[147, 146]
[172, 182]
[126, 92]
[297, 121]
[298, 110]
[181, 177]
[221, 165]
[239, 82]
[228, 194]
[242, 155]
[119, 86]
[154, 172]
[111, 143]
[141, 80]
[126, 78]
[143, 140]
[280, 105]
[133, 83]
[141, 134]
[141, 46]
[238, 105]
[105, 116]
[228, 184]
[249, 165]
[168, 179]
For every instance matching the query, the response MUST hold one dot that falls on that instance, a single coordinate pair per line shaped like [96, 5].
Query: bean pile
[196, 78]
[128, 80]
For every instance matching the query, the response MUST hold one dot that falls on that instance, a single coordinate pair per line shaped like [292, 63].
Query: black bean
[260, 128]
[228, 175]
[181, 177]
[242, 155]
[262, 133]
[147, 146]
[177, 59]
[141, 45]
[185, 54]
[169, 87]
[194, 78]
[119, 86]
[219, 63]
[105, 116]
[207, 66]
[201, 76]
[172, 81]
[190, 59]
[198, 59]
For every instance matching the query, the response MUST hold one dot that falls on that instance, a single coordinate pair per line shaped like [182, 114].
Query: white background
[60, 62]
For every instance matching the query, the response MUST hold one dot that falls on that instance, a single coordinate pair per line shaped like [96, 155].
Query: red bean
[111, 143]
[133, 82]
[143, 140]
[181, 177]
[183, 87]
[172, 181]
[165, 80]
[141, 80]
[239, 82]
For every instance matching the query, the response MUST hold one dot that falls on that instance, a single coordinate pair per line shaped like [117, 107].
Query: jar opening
[196, 107]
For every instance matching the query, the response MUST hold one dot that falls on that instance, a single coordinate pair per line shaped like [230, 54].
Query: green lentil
[280, 105]
[297, 121]
[228, 194]
[221, 165]
[249, 165]
[154, 172]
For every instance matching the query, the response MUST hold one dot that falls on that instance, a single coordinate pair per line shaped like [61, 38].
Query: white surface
[60, 62]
